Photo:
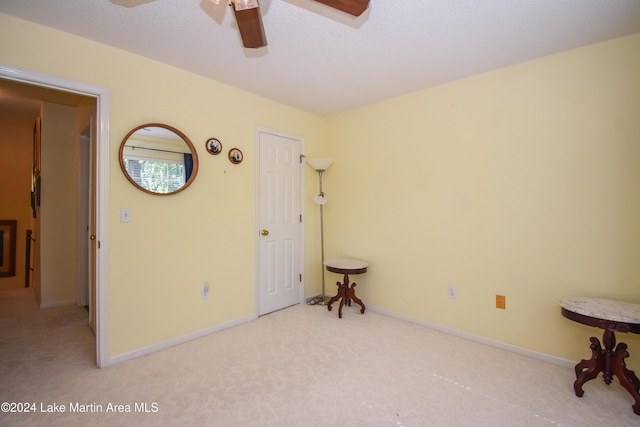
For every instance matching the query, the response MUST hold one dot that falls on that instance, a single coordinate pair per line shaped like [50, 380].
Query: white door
[87, 224]
[82, 292]
[279, 261]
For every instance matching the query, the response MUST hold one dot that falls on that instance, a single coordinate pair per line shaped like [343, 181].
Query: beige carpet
[301, 366]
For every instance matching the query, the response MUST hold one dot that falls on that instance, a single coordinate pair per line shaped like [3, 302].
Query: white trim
[102, 189]
[300, 139]
[180, 340]
[53, 304]
[83, 198]
[566, 363]
[302, 222]
[256, 286]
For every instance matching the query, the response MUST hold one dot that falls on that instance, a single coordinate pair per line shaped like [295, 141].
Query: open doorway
[60, 98]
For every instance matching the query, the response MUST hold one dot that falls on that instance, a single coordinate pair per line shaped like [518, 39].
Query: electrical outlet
[501, 302]
[452, 292]
[205, 290]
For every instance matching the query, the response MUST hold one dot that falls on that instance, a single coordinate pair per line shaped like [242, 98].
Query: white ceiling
[324, 61]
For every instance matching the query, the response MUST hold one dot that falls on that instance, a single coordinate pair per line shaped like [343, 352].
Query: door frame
[299, 138]
[101, 94]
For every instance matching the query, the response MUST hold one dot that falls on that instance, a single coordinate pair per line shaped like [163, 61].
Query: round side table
[346, 293]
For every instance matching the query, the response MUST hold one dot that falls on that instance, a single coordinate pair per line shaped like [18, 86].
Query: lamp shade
[320, 163]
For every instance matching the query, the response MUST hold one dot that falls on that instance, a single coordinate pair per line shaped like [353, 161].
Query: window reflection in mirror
[158, 159]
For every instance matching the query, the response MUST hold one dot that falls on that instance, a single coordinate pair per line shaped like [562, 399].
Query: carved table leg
[352, 296]
[586, 370]
[609, 341]
[341, 295]
[345, 295]
[627, 377]
[344, 288]
[610, 363]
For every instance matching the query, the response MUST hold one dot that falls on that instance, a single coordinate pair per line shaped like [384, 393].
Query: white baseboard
[479, 339]
[452, 331]
[53, 304]
[178, 340]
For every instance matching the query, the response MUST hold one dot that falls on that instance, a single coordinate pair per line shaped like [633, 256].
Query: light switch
[125, 214]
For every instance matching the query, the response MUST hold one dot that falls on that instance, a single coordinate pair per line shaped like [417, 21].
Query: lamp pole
[320, 165]
[323, 301]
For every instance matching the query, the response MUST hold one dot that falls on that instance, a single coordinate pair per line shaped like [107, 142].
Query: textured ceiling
[324, 61]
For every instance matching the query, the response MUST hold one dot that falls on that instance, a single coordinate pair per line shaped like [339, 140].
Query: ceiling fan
[250, 21]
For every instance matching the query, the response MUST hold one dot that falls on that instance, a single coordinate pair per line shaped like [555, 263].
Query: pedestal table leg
[345, 294]
[352, 296]
[342, 295]
[610, 362]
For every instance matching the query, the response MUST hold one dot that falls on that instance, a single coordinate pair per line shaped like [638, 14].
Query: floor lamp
[320, 165]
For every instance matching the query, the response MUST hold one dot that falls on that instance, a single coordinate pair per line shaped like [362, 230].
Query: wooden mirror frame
[186, 140]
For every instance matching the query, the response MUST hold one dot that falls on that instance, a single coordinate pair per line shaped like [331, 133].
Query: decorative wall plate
[235, 156]
[214, 146]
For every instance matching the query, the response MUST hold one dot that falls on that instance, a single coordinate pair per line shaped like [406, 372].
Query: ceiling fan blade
[352, 7]
[249, 23]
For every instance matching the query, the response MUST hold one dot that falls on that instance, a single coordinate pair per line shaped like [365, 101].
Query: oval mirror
[158, 159]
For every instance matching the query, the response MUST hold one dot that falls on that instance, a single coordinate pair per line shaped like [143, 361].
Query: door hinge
[300, 217]
[302, 156]
[301, 278]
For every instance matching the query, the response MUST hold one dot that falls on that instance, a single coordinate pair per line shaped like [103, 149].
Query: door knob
[265, 232]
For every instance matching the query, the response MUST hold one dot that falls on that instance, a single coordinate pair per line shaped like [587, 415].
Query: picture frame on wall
[35, 170]
[235, 156]
[8, 247]
[214, 146]
[36, 147]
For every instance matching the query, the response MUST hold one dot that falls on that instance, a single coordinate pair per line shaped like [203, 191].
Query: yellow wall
[15, 189]
[159, 261]
[523, 182]
[58, 212]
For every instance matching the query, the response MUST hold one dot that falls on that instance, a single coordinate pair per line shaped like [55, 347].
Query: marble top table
[346, 293]
[342, 264]
[612, 316]
[604, 309]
